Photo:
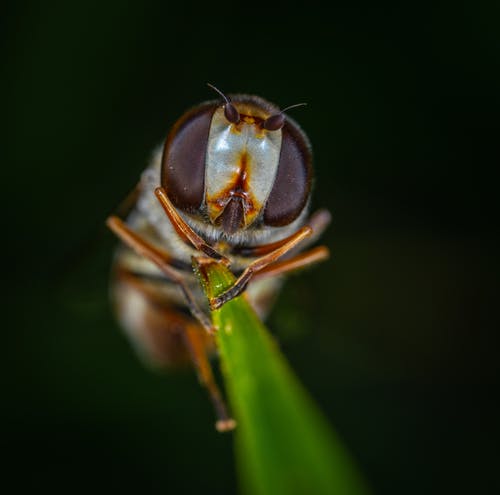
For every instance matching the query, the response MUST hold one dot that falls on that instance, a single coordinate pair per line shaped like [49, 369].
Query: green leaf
[284, 444]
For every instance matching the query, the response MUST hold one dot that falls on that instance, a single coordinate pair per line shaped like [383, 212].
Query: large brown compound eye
[183, 162]
[292, 184]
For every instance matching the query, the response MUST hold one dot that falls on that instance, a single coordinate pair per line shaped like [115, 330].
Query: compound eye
[183, 162]
[292, 185]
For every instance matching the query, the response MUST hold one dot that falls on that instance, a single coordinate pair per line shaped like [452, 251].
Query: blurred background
[395, 336]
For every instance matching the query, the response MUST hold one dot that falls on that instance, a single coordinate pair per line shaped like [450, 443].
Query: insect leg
[318, 223]
[184, 230]
[162, 260]
[195, 344]
[167, 335]
[259, 264]
[302, 260]
[127, 204]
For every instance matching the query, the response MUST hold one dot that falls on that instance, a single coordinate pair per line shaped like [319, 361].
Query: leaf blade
[284, 444]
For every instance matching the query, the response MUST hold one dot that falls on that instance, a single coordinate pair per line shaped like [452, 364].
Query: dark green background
[395, 336]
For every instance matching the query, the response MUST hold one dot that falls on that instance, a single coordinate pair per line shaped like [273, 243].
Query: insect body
[231, 183]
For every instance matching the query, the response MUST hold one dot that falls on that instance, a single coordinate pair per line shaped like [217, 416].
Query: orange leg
[318, 223]
[258, 265]
[195, 344]
[302, 260]
[127, 204]
[162, 260]
[184, 230]
[268, 253]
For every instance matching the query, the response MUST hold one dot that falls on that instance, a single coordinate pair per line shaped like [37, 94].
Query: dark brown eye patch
[183, 162]
[292, 185]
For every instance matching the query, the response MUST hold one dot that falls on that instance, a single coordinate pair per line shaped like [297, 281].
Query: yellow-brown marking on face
[238, 186]
[254, 120]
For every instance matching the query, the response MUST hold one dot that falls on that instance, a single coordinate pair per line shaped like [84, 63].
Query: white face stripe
[232, 148]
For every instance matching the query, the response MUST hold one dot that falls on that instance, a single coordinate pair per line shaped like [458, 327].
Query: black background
[395, 336]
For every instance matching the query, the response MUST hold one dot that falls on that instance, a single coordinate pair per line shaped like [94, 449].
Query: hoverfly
[232, 183]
